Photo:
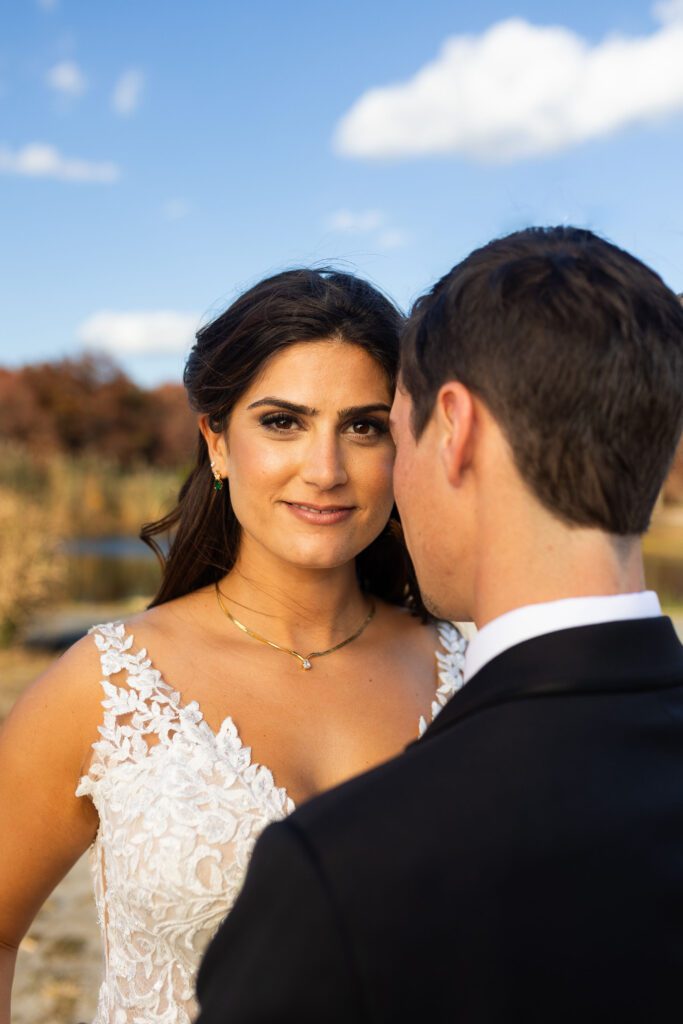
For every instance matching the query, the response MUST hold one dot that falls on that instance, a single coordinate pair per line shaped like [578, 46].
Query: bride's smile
[320, 515]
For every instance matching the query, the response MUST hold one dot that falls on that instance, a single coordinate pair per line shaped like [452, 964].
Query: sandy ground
[59, 964]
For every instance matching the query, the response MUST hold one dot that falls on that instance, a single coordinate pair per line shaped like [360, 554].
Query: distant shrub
[88, 496]
[31, 566]
[89, 406]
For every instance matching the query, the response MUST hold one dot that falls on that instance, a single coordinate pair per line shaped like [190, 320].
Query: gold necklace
[305, 660]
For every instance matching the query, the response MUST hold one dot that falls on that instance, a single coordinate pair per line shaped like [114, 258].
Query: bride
[287, 649]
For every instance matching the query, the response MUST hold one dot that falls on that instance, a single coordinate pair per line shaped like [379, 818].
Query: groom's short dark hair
[576, 348]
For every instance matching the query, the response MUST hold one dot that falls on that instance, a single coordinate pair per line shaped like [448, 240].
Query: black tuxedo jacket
[522, 862]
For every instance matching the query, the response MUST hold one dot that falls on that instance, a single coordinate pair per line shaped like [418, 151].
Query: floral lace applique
[451, 663]
[180, 810]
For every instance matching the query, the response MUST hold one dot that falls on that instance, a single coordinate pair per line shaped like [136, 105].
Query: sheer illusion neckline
[450, 662]
[258, 767]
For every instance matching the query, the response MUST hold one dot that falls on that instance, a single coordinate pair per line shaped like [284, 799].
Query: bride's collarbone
[336, 692]
[352, 710]
[396, 654]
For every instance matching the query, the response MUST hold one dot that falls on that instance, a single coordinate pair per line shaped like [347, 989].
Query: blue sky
[158, 157]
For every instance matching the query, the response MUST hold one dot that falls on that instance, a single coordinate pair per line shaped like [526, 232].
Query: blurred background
[158, 158]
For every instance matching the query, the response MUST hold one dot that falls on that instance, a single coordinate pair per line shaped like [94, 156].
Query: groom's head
[546, 369]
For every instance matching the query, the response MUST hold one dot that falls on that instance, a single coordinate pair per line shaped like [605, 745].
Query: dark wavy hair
[229, 353]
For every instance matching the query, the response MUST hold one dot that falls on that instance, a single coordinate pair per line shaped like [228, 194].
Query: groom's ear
[455, 422]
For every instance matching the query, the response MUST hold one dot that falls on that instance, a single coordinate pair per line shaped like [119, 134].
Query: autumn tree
[90, 406]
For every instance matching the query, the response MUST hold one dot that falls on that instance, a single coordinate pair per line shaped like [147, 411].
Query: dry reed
[46, 500]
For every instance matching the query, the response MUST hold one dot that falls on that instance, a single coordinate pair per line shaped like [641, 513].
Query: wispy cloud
[67, 79]
[152, 333]
[40, 160]
[519, 90]
[392, 238]
[128, 92]
[355, 222]
[367, 222]
[175, 209]
[47, 5]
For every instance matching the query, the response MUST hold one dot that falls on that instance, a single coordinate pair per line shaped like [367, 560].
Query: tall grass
[47, 500]
[31, 566]
[86, 496]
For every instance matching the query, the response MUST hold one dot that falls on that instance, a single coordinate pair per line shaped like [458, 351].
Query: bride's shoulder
[62, 706]
[162, 625]
[70, 681]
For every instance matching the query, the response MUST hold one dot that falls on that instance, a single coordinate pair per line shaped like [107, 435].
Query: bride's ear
[215, 443]
[455, 420]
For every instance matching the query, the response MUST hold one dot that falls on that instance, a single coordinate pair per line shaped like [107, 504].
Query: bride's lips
[320, 515]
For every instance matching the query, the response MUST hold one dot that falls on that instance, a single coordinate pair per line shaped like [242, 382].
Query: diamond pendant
[305, 664]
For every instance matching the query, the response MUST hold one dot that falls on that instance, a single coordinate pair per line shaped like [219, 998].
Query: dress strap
[117, 655]
[138, 706]
[450, 665]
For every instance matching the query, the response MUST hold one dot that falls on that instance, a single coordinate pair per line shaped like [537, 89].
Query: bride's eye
[279, 421]
[368, 429]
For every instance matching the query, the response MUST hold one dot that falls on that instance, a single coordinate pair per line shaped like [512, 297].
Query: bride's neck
[294, 605]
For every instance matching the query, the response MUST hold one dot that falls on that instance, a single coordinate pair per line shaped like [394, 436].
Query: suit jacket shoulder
[282, 944]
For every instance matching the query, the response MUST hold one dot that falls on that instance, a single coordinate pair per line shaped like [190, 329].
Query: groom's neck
[543, 559]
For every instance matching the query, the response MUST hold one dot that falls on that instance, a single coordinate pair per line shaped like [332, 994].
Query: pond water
[110, 569]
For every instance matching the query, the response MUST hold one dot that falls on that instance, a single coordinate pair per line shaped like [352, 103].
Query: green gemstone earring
[217, 478]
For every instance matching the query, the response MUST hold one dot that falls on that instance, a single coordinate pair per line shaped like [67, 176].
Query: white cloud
[127, 92]
[518, 91]
[47, 5]
[40, 160]
[154, 332]
[351, 222]
[67, 78]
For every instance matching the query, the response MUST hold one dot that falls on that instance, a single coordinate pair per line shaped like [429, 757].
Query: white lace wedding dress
[180, 809]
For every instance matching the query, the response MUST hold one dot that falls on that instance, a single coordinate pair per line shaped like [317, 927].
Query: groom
[522, 862]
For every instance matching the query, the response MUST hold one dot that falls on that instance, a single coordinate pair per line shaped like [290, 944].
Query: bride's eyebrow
[363, 410]
[281, 403]
[307, 410]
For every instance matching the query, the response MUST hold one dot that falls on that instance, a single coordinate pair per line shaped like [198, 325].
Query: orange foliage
[89, 405]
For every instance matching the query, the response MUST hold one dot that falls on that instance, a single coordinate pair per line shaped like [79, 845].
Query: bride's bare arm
[44, 828]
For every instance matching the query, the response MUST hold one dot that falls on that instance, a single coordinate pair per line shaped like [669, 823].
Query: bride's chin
[327, 558]
[319, 563]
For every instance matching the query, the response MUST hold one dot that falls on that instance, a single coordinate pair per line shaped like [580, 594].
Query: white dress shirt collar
[537, 619]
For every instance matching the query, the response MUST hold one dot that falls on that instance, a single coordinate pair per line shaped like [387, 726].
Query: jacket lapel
[612, 657]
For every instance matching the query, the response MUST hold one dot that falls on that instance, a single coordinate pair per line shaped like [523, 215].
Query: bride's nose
[323, 463]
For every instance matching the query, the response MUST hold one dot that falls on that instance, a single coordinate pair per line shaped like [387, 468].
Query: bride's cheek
[379, 484]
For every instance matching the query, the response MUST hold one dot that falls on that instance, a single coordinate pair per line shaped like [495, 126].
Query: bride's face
[309, 456]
